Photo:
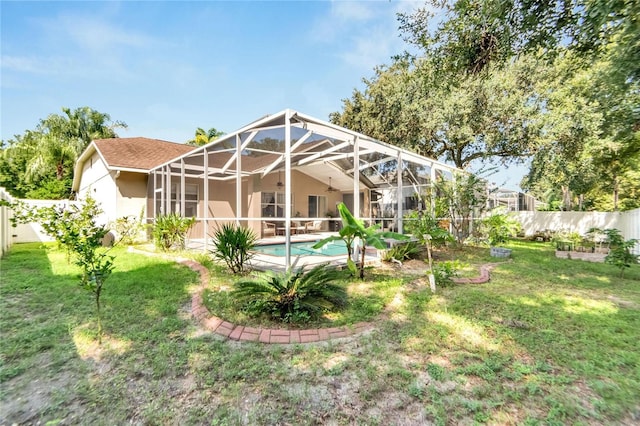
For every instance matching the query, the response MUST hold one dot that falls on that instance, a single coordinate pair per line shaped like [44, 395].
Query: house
[282, 174]
[115, 172]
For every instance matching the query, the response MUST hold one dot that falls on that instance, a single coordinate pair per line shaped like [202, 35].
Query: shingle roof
[139, 153]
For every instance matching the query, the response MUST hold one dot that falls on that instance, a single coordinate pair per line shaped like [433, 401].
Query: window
[190, 200]
[272, 204]
[317, 205]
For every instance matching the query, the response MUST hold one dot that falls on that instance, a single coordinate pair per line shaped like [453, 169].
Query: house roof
[131, 154]
[138, 153]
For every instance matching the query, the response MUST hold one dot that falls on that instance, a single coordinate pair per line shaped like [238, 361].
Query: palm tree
[87, 124]
[50, 150]
[203, 137]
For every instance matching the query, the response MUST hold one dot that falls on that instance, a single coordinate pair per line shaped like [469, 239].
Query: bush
[292, 297]
[129, 228]
[444, 272]
[498, 227]
[170, 231]
[233, 245]
[402, 252]
[420, 224]
[620, 254]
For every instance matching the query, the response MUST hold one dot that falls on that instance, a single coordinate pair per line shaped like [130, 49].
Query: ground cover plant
[547, 341]
[296, 296]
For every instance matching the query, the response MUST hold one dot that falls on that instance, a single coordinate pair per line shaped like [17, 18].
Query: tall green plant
[170, 231]
[233, 245]
[353, 229]
[498, 227]
[620, 254]
[293, 296]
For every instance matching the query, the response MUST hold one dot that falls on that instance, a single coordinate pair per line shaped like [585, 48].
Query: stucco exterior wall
[100, 183]
[131, 194]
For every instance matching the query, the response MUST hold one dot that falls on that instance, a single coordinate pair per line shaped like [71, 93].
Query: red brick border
[251, 334]
[279, 336]
[484, 276]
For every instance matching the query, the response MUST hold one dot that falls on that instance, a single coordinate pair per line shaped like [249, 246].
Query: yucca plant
[293, 296]
[170, 231]
[233, 245]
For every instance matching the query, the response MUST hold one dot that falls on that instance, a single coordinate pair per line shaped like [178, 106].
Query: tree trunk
[616, 187]
[59, 171]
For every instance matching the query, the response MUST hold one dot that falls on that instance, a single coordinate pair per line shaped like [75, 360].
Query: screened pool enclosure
[284, 175]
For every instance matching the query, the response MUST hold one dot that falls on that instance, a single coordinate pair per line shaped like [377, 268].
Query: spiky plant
[293, 296]
[170, 231]
[233, 245]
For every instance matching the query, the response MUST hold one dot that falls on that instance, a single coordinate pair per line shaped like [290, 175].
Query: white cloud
[21, 64]
[347, 11]
[365, 34]
[96, 35]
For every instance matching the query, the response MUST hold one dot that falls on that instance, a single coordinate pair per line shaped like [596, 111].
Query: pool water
[334, 248]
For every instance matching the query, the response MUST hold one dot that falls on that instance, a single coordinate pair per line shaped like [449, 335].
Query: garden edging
[251, 334]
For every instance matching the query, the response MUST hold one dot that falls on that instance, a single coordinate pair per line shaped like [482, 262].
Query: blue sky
[166, 68]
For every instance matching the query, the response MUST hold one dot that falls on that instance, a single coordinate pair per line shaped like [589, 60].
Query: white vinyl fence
[26, 233]
[6, 231]
[627, 222]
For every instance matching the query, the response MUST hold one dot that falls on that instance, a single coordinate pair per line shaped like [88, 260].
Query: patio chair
[268, 229]
[298, 228]
[314, 226]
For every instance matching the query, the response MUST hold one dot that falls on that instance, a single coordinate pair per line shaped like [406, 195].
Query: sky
[167, 68]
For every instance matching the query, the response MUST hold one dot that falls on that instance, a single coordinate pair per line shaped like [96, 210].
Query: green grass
[547, 341]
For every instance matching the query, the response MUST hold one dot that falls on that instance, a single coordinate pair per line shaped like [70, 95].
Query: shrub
[420, 224]
[170, 231]
[129, 228]
[620, 254]
[292, 297]
[498, 227]
[233, 245]
[401, 252]
[353, 229]
[444, 272]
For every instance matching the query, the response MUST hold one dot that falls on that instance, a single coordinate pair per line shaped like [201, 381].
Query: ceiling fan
[330, 188]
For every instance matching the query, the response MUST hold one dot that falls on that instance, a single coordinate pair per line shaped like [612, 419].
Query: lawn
[547, 341]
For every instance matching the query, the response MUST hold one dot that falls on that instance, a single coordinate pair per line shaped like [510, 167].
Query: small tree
[460, 200]
[233, 245]
[620, 254]
[75, 228]
[353, 229]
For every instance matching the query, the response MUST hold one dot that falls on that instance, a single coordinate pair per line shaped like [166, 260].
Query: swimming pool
[334, 248]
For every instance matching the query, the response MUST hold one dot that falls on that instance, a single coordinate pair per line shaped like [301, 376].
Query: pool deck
[264, 262]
